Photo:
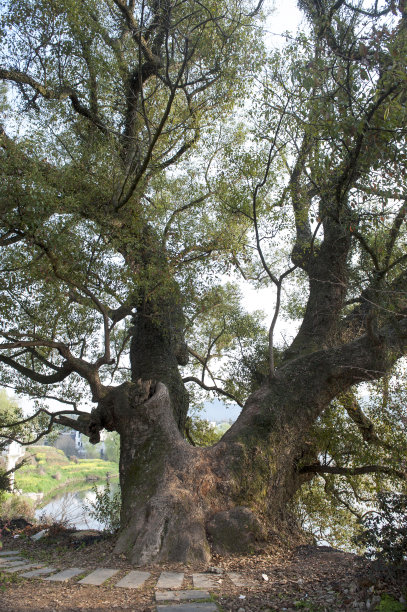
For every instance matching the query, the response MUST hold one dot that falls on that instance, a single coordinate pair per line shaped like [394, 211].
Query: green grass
[389, 604]
[49, 470]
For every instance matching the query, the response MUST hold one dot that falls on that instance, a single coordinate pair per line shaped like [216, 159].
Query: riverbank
[48, 472]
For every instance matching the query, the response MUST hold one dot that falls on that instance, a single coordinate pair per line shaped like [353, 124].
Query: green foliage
[332, 506]
[3, 488]
[9, 412]
[4, 482]
[229, 341]
[106, 507]
[384, 532]
[65, 173]
[92, 450]
[111, 446]
[201, 432]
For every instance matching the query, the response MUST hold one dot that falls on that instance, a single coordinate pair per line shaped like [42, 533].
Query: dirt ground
[312, 578]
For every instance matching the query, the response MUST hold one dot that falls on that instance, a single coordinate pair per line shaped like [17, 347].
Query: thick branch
[135, 30]
[54, 94]
[43, 379]
[72, 364]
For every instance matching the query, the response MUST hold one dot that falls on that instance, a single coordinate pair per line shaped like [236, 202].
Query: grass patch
[389, 604]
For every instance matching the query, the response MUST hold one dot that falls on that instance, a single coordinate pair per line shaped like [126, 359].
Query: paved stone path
[193, 607]
[134, 580]
[12, 563]
[181, 595]
[170, 580]
[19, 568]
[207, 581]
[39, 572]
[67, 574]
[7, 560]
[99, 576]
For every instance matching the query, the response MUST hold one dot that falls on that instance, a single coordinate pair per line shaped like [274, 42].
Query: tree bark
[179, 500]
[163, 492]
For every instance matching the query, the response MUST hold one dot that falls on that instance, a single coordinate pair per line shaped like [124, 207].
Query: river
[70, 509]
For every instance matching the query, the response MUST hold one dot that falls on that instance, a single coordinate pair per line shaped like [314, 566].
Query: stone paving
[192, 607]
[170, 580]
[19, 568]
[206, 581]
[190, 595]
[12, 563]
[9, 553]
[67, 574]
[134, 580]
[39, 572]
[99, 576]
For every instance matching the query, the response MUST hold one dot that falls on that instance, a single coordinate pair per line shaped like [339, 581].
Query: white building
[11, 455]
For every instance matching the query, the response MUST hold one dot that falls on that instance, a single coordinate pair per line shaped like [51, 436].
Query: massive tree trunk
[179, 500]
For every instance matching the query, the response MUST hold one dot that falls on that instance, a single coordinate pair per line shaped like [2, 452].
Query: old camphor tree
[147, 150]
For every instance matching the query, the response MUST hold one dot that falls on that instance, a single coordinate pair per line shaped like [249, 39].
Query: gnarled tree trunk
[178, 500]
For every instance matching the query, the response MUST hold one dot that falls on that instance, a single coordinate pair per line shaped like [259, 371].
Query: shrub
[384, 532]
[106, 507]
[15, 506]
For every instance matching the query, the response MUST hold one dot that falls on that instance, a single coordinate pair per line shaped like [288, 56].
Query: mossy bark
[164, 507]
[177, 499]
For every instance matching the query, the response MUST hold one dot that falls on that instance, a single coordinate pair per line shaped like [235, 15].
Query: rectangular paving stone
[13, 564]
[133, 580]
[170, 580]
[206, 581]
[238, 580]
[189, 595]
[6, 560]
[9, 553]
[99, 576]
[193, 607]
[71, 572]
[20, 568]
[38, 572]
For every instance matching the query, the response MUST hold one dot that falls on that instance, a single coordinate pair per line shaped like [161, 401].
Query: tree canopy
[150, 150]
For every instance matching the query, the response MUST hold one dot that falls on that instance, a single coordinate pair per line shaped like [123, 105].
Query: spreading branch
[48, 93]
